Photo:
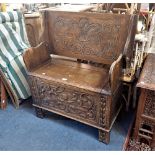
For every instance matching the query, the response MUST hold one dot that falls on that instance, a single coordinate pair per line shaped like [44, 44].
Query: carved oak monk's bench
[59, 83]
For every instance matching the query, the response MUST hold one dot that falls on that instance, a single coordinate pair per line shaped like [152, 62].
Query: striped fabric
[13, 42]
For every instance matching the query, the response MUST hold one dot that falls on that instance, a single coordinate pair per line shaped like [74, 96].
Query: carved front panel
[149, 108]
[76, 103]
[100, 38]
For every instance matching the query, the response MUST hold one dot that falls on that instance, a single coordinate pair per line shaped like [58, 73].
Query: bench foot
[39, 112]
[104, 136]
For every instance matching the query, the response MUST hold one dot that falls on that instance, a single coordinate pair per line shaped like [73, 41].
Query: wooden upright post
[3, 95]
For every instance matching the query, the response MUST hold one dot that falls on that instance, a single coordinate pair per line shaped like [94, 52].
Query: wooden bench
[86, 92]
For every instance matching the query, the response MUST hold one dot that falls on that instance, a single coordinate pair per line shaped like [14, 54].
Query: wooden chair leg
[3, 94]
[104, 136]
[129, 97]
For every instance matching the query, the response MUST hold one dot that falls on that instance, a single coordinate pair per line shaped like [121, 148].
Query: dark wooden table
[145, 119]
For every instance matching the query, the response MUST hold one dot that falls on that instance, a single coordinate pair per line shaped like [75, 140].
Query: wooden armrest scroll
[36, 56]
[115, 73]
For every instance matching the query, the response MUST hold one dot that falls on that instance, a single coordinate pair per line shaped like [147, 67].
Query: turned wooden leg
[3, 97]
[104, 136]
[39, 112]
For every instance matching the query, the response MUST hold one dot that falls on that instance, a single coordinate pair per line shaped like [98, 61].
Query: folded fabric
[13, 43]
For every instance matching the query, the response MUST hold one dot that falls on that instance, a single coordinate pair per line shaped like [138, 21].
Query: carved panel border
[77, 103]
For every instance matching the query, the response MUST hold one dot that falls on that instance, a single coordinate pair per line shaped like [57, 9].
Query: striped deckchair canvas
[13, 42]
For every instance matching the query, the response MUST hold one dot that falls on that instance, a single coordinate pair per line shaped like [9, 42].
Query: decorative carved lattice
[147, 129]
[149, 109]
[148, 123]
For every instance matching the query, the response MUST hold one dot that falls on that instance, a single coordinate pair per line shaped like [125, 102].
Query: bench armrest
[115, 74]
[36, 56]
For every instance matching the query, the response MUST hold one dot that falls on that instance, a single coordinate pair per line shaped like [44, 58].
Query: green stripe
[18, 32]
[12, 18]
[18, 80]
[13, 38]
[24, 31]
[21, 26]
[6, 60]
[25, 34]
[13, 86]
[25, 42]
[3, 68]
[6, 44]
[21, 67]
[13, 73]
[2, 17]
[20, 15]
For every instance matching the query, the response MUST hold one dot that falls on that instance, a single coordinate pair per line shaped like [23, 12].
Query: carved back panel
[97, 37]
